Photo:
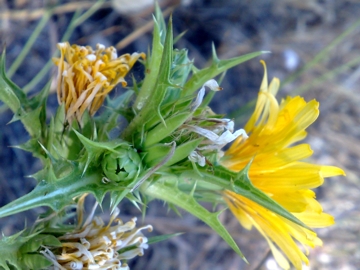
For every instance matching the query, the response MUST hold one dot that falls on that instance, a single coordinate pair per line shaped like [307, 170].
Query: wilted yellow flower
[86, 76]
[94, 245]
[276, 169]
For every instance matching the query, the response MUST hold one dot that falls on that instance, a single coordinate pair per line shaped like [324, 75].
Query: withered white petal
[197, 158]
[213, 85]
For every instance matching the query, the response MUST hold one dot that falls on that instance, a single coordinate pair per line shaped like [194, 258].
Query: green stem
[57, 194]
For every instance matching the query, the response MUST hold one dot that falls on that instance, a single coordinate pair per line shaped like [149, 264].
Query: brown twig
[141, 31]
[28, 15]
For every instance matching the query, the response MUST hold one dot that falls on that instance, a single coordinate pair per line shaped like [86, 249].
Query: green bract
[121, 164]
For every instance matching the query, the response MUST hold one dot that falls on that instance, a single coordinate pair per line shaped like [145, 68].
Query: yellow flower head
[276, 169]
[86, 76]
[94, 245]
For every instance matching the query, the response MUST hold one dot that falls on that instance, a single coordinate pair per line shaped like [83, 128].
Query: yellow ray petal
[278, 170]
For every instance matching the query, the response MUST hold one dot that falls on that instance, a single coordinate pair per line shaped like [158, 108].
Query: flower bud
[121, 165]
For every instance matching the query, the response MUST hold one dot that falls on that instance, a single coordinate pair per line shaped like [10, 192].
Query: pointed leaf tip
[214, 54]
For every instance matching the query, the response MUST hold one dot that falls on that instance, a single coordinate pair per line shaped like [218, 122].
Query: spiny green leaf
[143, 176]
[34, 147]
[87, 128]
[155, 153]
[40, 240]
[31, 113]
[108, 120]
[39, 100]
[11, 94]
[171, 108]
[32, 117]
[163, 81]
[174, 196]
[183, 151]
[9, 249]
[118, 195]
[35, 261]
[151, 103]
[162, 130]
[180, 70]
[61, 141]
[160, 19]
[95, 149]
[217, 67]
[98, 147]
[163, 237]
[59, 119]
[152, 68]
[241, 184]
[58, 194]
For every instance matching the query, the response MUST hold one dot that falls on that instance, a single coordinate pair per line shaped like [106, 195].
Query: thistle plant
[159, 139]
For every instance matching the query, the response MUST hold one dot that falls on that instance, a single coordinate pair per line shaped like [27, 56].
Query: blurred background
[315, 51]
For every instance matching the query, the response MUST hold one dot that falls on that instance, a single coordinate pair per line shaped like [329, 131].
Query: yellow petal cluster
[278, 170]
[85, 76]
[94, 245]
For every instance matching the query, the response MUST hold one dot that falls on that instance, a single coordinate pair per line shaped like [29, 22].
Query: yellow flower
[276, 169]
[86, 76]
[94, 245]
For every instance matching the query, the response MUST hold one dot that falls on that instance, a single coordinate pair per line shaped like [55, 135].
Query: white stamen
[212, 136]
[62, 45]
[229, 124]
[114, 54]
[101, 76]
[75, 265]
[227, 136]
[212, 84]
[198, 100]
[100, 46]
[217, 141]
[91, 57]
[98, 247]
[196, 157]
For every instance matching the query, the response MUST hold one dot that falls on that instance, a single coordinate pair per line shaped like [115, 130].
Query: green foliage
[20, 251]
[57, 193]
[30, 112]
[158, 89]
[162, 130]
[240, 183]
[170, 194]
[146, 159]
[217, 67]
[9, 247]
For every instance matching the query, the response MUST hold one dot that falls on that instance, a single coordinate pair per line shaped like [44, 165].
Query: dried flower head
[86, 76]
[94, 245]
